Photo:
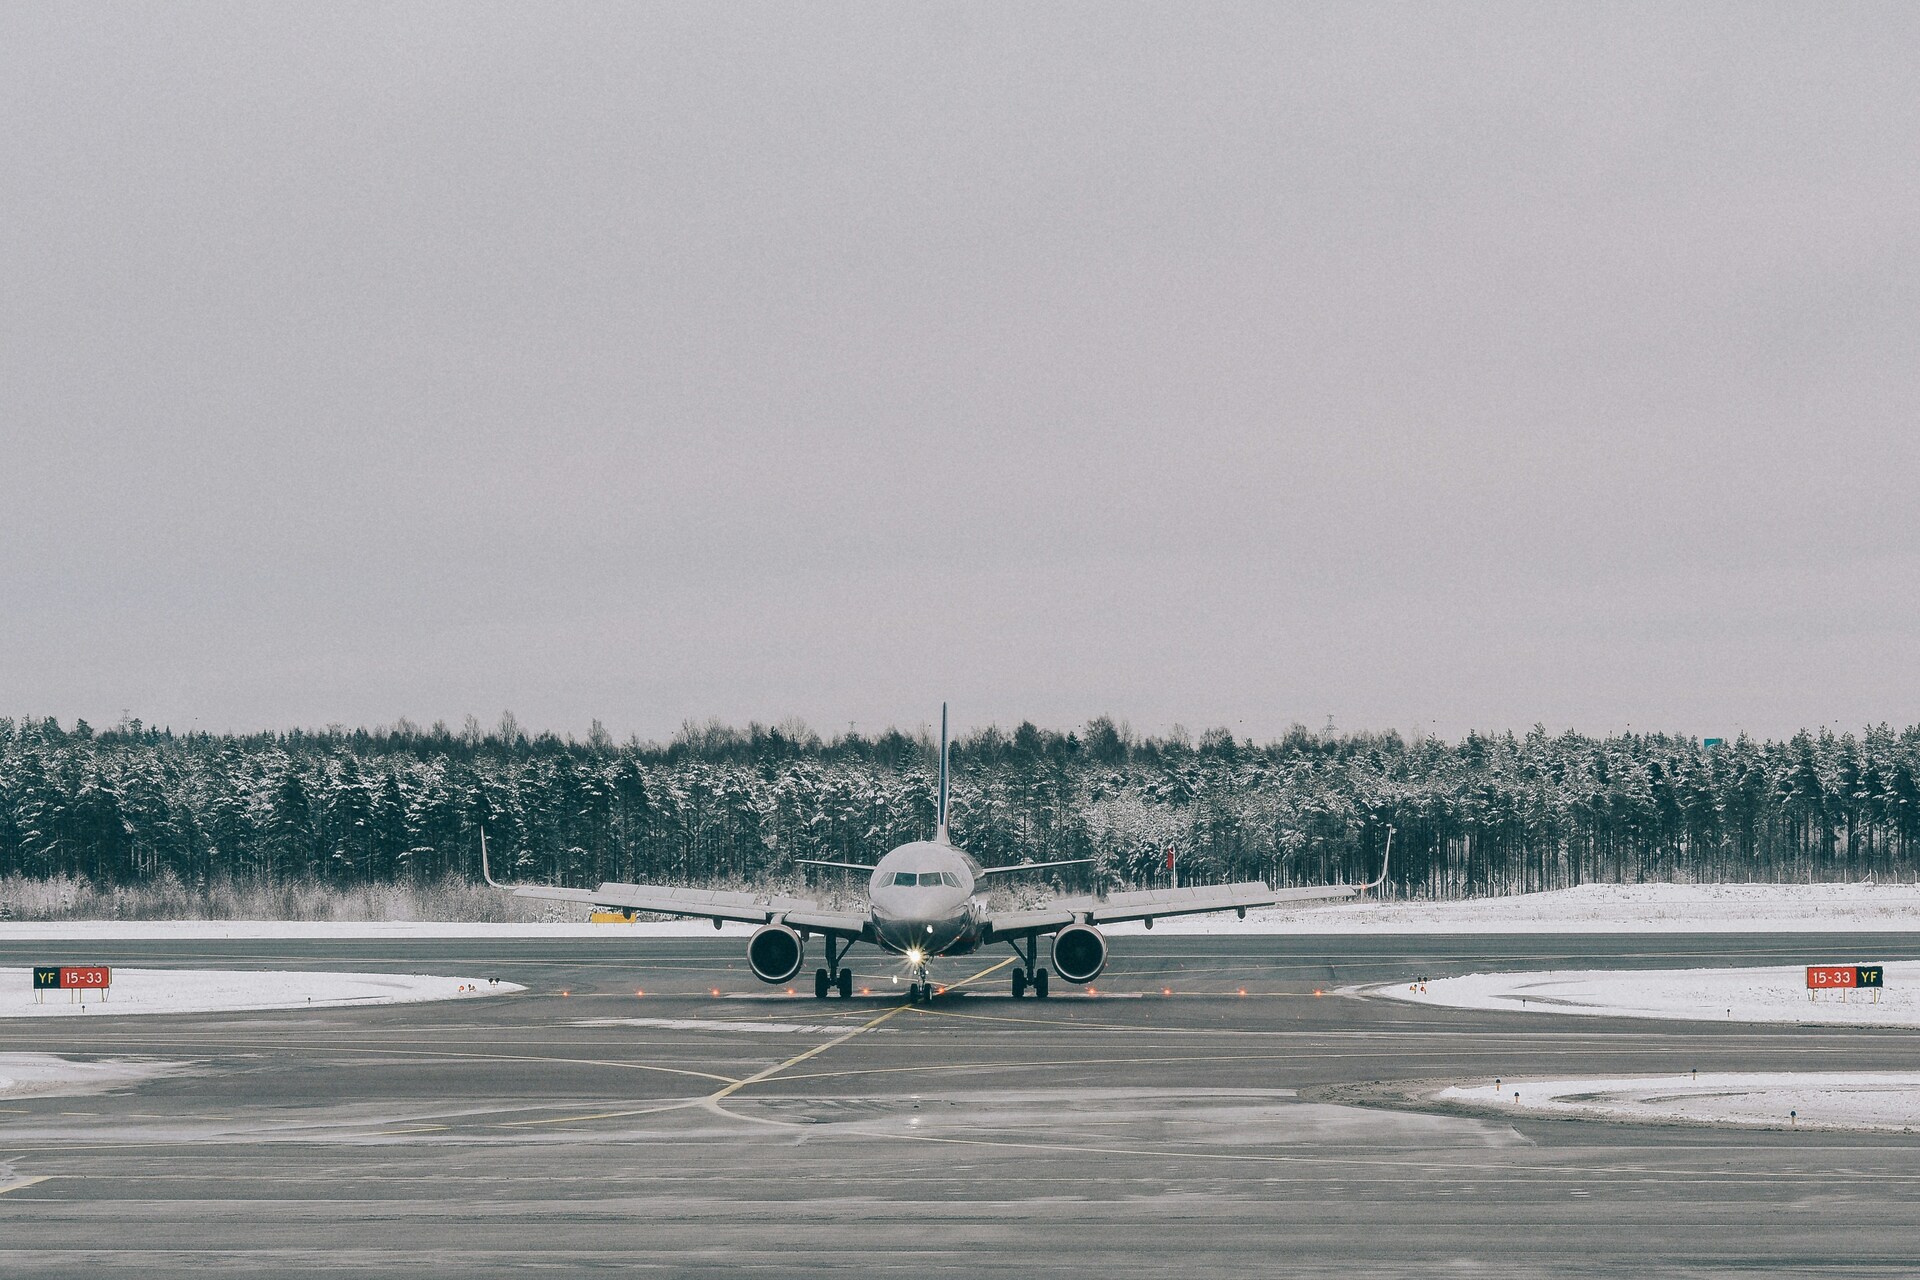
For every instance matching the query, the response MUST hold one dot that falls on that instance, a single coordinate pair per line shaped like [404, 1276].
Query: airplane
[922, 903]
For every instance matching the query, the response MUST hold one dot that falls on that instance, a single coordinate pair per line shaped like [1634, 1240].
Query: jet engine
[775, 952]
[1079, 953]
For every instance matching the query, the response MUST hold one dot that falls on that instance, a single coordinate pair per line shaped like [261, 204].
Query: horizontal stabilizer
[1034, 866]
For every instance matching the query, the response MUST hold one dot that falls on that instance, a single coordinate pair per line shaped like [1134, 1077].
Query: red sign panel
[1830, 975]
[86, 976]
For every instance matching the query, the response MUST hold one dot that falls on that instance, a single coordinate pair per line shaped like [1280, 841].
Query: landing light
[916, 956]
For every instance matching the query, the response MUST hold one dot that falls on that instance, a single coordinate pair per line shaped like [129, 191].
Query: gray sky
[1427, 366]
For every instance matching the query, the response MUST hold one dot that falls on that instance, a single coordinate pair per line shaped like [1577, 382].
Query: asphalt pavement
[647, 1106]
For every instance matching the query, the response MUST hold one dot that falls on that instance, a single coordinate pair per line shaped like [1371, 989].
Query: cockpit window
[948, 878]
[906, 877]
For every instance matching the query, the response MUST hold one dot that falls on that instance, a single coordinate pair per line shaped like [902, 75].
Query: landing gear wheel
[846, 983]
[1019, 982]
[1040, 984]
[819, 984]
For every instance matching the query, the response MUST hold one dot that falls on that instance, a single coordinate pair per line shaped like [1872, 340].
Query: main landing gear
[1032, 976]
[833, 977]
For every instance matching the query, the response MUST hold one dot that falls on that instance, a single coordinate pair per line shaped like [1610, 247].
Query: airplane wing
[716, 905]
[1152, 904]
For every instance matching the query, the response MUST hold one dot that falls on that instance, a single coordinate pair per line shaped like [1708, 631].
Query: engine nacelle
[775, 953]
[1079, 953]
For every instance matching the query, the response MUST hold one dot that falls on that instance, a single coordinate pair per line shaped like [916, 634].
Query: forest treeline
[1487, 814]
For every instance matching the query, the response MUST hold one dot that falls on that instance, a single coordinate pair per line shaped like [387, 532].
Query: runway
[1168, 1124]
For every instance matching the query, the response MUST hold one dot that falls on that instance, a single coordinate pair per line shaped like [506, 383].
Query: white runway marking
[707, 1024]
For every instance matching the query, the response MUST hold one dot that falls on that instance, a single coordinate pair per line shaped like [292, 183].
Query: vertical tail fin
[940, 829]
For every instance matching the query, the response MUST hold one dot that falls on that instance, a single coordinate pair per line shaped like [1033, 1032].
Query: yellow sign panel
[611, 917]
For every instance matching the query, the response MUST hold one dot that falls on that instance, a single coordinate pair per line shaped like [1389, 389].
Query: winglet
[940, 826]
[1384, 859]
[486, 872]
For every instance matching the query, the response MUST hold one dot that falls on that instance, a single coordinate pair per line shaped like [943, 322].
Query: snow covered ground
[317, 930]
[1779, 1099]
[1638, 908]
[1603, 908]
[39, 1075]
[1775, 993]
[223, 990]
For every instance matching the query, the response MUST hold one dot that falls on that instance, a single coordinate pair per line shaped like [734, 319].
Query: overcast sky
[1426, 366]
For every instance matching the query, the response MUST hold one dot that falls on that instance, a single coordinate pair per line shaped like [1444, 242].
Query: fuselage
[922, 900]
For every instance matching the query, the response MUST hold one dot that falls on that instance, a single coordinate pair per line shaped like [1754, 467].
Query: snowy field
[1604, 908]
[224, 990]
[1639, 908]
[1879, 1101]
[1776, 993]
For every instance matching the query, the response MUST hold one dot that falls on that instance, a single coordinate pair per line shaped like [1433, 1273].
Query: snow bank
[38, 1075]
[1602, 908]
[1594, 908]
[228, 990]
[1822, 1099]
[338, 930]
[1776, 993]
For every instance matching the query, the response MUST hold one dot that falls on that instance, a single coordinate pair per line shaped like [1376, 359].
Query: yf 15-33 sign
[72, 977]
[1824, 977]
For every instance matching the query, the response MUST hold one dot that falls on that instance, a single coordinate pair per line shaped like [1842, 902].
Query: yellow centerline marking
[603, 1115]
[768, 1074]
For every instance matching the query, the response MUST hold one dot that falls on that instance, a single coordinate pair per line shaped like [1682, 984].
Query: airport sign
[1832, 977]
[89, 977]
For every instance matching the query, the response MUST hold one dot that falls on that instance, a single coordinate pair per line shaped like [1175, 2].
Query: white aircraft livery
[922, 903]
